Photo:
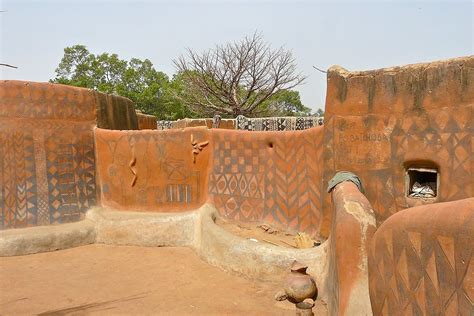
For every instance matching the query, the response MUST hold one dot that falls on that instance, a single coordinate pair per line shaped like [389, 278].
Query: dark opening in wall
[422, 182]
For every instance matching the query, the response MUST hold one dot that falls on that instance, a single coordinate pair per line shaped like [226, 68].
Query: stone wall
[378, 123]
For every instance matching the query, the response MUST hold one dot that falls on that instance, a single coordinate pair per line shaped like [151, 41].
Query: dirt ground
[111, 280]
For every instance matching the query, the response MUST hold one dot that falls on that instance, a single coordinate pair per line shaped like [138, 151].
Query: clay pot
[299, 285]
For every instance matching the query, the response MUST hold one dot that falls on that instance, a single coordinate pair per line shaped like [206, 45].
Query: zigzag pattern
[422, 271]
[9, 199]
[20, 181]
[30, 178]
[290, 178]
[292, 194]
[47, 176]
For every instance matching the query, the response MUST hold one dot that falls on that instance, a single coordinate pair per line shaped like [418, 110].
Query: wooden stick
[271, 242]
[288, 243]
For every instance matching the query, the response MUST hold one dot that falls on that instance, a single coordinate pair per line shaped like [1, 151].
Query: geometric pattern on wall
[416, 272]
[152, 170]
[47, 172]
[37, 101]
[275, 178]
[277, 123]
[444, 136]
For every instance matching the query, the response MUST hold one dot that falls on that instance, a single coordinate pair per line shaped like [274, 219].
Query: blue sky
[358, 35]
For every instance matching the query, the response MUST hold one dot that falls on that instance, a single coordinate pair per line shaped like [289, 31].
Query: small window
[422, 183]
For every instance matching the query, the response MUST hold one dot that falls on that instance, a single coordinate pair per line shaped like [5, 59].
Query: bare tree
[235, 78]
[8, 65]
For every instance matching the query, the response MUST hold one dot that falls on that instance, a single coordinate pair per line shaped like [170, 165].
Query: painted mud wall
[153, 170]
[47, 165]
[378, 122]
[272, 177]
[249, 176]
[421, 261]
[47, 161]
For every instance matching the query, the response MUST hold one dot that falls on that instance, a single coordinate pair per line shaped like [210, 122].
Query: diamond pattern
[375, 147]
[273, 178]
[47, 161]
[432, 260]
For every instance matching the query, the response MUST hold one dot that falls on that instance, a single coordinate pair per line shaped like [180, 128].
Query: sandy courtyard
[109, 280]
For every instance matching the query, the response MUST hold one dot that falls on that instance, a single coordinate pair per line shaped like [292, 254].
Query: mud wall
[379, 122]
[115, 112]
[47, 161]
[146, 121]
[47, 164]
[421, 261]
[224, 123]
[268, 176]
[249, 176]
[153, 170]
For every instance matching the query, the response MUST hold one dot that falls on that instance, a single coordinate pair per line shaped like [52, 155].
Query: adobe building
[402, 243]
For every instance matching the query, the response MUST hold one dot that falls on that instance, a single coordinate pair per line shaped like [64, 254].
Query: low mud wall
[253, 177]
[153, 170]
[273, 177]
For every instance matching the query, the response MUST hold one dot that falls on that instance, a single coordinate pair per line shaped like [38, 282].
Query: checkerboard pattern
[277, 123]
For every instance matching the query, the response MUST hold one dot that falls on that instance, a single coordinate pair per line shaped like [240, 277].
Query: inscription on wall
[360, 145]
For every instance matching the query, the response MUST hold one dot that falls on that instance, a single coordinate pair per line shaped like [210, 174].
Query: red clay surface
[111, 280]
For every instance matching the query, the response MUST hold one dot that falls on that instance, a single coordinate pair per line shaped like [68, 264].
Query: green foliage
[138, 80]
[319, 112]
[153, 92]
[284, 103]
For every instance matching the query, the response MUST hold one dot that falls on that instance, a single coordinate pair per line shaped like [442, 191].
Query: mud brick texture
[47, 164]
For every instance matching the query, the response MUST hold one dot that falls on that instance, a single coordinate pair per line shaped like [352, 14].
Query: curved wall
[421, 261]
[153, 170]
[272, 177]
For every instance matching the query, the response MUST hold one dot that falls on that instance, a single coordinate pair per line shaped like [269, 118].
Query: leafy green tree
[284, 103]
[319, 112]
[136, 79]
